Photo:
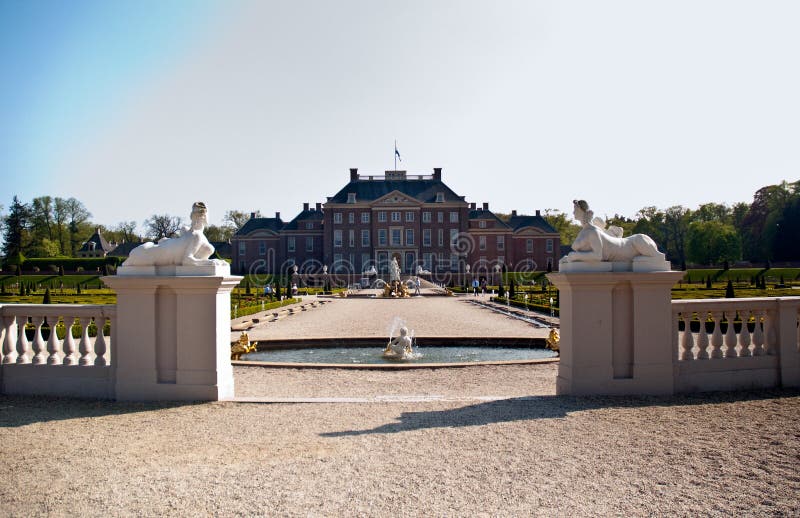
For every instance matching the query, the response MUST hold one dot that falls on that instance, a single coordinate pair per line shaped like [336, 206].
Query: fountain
[395, 288]
[400, 347]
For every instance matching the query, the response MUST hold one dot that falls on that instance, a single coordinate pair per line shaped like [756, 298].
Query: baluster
[687, 340]
[85, 347]
[23, 346]
[53, 343]
[10, 340]
[70, 358]
[702, 336]
[730, 336]
[39, 346]
[100, 346]
[758, 334]
[716, 336]
[744, 335]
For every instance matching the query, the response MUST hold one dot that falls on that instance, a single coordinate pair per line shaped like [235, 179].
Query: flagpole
[395, 154]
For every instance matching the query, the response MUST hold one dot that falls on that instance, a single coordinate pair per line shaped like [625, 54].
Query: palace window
[454, 217]
[549, 246]
[337, 238]
[365, 238]
[441, 237]
[290, 244]
[351, 238]
[440, 217]
[426, 237]
[409, 216]
[453, 236]
[262, 248]
[242, 247]
[501, 242]
[381, 237]
[409, 236]
[396, 217]
[365, 217]
[482, 242]
[382, 216]
[439, 197]
[309, 244]
[426, 217]
[337, 217]
[482, 224]
[396, 236]
[351, 197]
[351, 217]
[529, 246]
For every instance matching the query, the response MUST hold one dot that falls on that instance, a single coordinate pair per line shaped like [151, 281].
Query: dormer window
[351, 197]
[439, 197]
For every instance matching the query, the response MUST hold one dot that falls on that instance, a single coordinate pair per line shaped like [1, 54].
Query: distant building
[416, 219]
[96, 246]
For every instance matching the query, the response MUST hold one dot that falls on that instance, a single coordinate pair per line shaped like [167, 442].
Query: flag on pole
[397, 153]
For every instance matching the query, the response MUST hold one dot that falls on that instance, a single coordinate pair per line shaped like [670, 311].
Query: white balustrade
[716, 314]
[16, 347]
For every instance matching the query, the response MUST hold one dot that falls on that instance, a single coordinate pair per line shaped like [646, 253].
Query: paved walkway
[355, 317]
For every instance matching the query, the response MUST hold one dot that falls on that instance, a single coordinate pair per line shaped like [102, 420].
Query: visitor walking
[475, 286]
[416, 286]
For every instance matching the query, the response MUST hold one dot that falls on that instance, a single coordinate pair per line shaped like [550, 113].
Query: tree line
[768, 229]
[58, 227]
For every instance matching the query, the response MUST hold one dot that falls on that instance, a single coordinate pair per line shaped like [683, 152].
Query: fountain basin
[436, 352]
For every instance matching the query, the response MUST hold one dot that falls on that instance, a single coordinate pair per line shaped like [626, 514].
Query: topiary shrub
[729, 293]
[46, 298]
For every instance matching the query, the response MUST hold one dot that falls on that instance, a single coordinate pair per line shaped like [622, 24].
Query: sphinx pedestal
[615, 332]
[172, 335]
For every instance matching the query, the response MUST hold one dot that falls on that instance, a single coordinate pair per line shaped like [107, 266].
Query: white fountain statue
[400, 346]
[601, 249]
[187, 254]
[394, 270]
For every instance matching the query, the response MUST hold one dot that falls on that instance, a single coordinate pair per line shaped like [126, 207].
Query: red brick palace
[416, 219]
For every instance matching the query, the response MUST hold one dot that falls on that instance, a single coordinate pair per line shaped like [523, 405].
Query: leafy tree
[567, 229]
[219, 233]
[17, 237]
[42, 224]
[712, 242]
[76, 216]
[162, 225]
[235, 219]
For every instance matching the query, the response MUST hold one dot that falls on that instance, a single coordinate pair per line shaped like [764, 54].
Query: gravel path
[528, 453]
[426, 316]
[532, 454]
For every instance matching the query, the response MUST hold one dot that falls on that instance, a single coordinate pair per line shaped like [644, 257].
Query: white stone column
[616, 332]
[172, 339]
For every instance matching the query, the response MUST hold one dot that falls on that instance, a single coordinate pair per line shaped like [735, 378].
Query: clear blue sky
[138, 107]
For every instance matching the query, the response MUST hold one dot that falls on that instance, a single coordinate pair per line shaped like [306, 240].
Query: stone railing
[726, 344]
[54, 360]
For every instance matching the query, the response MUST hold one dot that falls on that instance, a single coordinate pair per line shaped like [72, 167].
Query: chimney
[353, 174]
[319, 207]
[486, 205]
[277, 215]
[252, 215]
[514, 213]
[538, 213]
[437, 173]
[305, 207]
[472, 206]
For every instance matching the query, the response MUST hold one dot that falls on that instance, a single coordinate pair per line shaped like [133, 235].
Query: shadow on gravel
[550, 407]
[24, 410]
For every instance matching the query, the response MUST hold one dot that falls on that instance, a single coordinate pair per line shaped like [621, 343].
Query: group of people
[271, 292]
[479, 287]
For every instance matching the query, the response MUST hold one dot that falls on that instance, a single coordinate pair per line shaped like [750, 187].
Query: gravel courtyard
[474, 441]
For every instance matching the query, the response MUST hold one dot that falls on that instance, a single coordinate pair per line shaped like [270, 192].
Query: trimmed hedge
[52, 264]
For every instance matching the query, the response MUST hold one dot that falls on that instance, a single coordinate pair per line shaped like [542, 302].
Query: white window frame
[309, 244]
[529, 246]
[410, 237]
[337, 238]
[501, 242]
[382, 240]
[337, 218]
[396, 216]
[426, 237]
[382, 216]
[351, 218]
[453, 217]
[290, 244]
[365, 237]
[426, 217]
[365, 217]
[351, 238]
[395, 232]
[482, 242]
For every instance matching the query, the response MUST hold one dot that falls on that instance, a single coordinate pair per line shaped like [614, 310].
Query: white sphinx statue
[190, 249]
[598, 249]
